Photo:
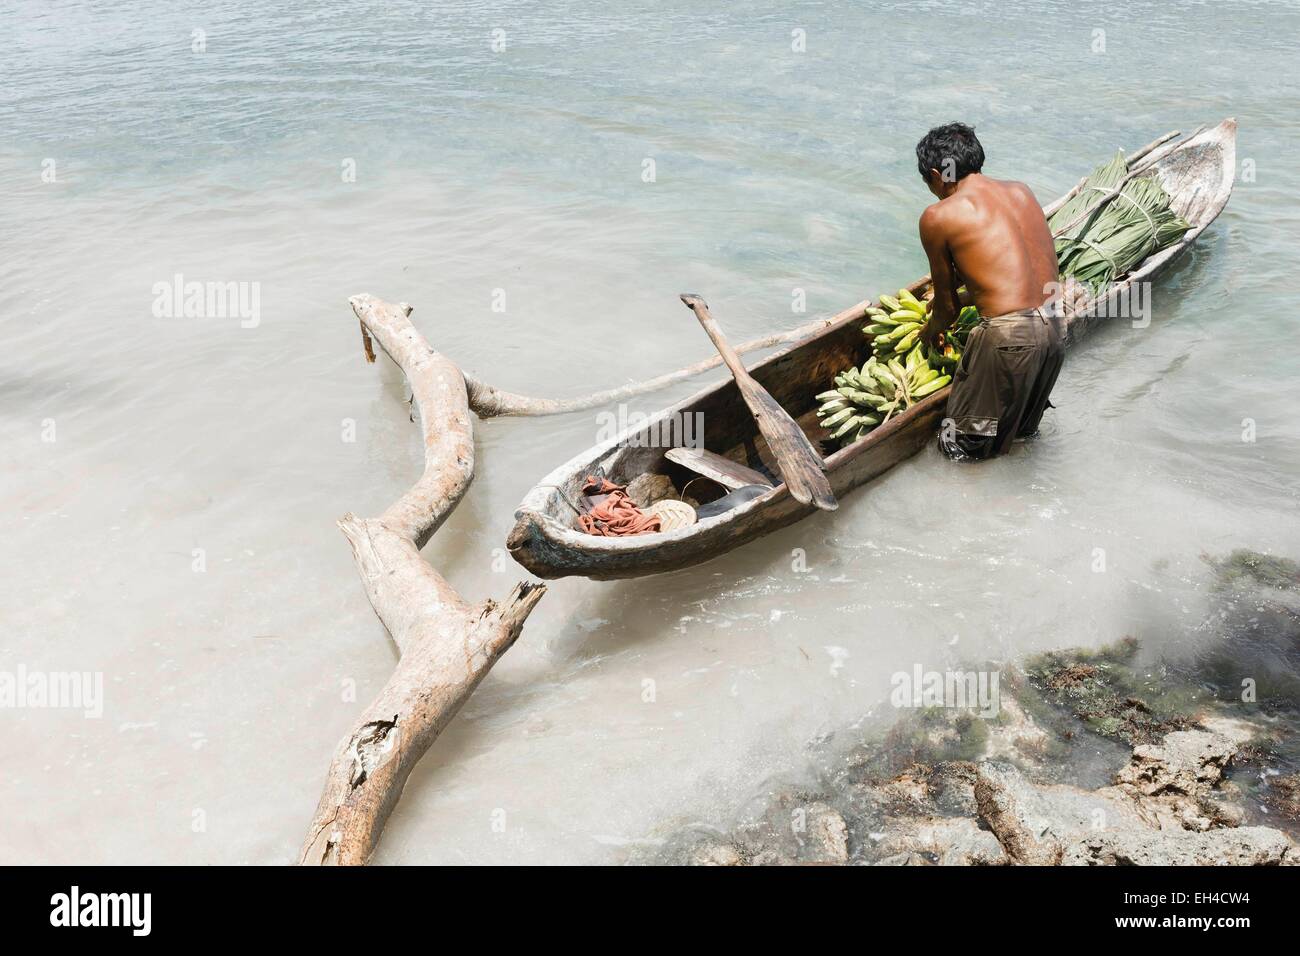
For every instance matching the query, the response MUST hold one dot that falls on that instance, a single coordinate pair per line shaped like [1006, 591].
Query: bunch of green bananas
[967, 319]
[896, 328]
[866, 397]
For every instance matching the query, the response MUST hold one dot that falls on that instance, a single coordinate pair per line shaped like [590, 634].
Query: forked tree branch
[447, 645]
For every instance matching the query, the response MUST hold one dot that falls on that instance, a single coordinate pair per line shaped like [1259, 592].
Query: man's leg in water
[1001, 386]
[970, 427]
[1040, 394]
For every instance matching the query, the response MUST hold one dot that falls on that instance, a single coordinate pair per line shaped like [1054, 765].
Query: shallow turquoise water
[522, 170]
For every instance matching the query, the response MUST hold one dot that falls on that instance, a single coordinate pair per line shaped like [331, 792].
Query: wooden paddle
[801, 464]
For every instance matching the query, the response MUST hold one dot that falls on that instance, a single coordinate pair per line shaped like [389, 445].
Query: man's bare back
[991, 236]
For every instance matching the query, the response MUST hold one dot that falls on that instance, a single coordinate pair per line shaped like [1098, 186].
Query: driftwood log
[447, 645]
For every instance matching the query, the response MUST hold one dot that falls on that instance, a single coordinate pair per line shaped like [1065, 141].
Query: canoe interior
[721, 420]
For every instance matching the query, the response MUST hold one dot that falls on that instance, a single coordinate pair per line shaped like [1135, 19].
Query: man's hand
[930, 333]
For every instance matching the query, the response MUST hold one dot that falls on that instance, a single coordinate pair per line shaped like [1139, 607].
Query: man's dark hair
[951, 149]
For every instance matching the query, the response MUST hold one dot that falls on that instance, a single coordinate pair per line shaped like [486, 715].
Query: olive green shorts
[1002, 386]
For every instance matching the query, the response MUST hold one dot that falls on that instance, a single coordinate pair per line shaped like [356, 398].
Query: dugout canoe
[1197, 172]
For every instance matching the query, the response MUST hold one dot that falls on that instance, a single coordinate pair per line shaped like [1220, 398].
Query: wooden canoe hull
[1198, 175]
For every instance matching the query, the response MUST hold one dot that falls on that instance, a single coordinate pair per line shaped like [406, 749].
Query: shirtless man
[989, 235]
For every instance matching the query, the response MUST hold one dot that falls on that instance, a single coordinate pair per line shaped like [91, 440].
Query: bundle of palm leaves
[1119, 235]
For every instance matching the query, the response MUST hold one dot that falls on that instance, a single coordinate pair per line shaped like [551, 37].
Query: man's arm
[943, 274]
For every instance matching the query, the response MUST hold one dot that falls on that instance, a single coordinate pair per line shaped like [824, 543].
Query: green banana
[932, 386]
[838, 417]
[913, 360]
[848, 426]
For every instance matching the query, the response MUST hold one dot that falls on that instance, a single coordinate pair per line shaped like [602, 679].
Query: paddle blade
[801, 464]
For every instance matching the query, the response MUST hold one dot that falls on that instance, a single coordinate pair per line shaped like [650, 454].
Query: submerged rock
[1283, 796]
[1185, 763]
[1166, 805]
[941, 841]
[715, 854]
[1101, 689]
[1251, 642]
[828, 836]
[1016, 736]
[795, 827]
[1245, 566]
[1246, 846]
[1160, 810]
[1150, 751]
[1035, 822]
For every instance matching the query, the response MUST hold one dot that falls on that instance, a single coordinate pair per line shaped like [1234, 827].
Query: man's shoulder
[946, 213]
[934, 222]
[938, 211]
[1017, 187]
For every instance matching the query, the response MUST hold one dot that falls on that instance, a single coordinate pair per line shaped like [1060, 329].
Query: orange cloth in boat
[613, 514]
